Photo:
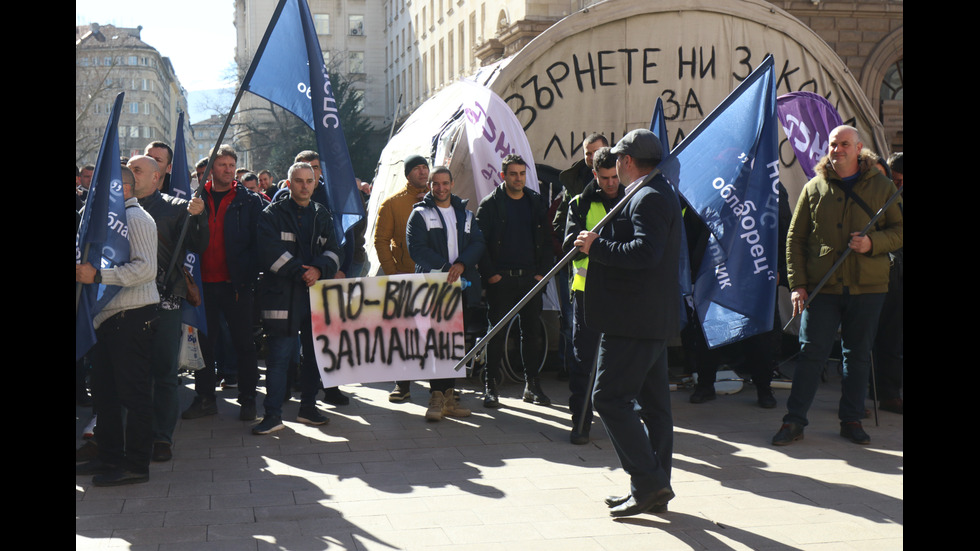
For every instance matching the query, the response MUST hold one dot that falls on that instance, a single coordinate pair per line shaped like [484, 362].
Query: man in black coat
[631, 297]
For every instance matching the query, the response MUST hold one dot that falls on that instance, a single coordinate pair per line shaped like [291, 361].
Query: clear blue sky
[197, 35]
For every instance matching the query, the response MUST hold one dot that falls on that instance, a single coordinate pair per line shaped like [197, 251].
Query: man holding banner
[631, 297]
[389, 237]
[832, 210]
[296, 247]
[443, 236]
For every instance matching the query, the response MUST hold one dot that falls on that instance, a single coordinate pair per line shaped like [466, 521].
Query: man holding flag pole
[844, 196]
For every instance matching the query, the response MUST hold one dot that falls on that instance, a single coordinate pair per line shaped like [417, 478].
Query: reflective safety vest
[596, 212]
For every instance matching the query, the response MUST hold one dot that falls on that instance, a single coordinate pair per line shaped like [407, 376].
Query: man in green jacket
[832, 210]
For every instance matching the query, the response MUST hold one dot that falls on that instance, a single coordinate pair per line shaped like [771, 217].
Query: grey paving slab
[378, 476]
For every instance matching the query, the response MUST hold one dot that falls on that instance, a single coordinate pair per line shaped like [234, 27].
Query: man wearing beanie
[389, 235]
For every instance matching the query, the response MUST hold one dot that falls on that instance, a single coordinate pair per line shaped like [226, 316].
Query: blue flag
[658, 125]
[101, 238]
[180, 186]
[288, 70]
[728, 171]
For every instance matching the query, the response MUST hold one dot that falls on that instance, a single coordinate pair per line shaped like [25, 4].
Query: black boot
[533, 392]
[490, 397]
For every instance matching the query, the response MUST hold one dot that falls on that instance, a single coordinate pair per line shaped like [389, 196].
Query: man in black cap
[631, 297]
[389, 235]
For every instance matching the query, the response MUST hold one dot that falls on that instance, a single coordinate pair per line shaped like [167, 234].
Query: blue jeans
[281, 351]
[857, 317]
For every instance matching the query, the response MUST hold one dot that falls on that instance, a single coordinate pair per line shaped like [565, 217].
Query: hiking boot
[200, 407]
[401, 393]
[436, 402]
[451, 407]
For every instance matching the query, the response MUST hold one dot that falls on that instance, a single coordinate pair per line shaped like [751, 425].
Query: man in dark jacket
[631, 297]
[229, 268]
[514, 223]
[170, 215]
[296, 247]
[442, 236]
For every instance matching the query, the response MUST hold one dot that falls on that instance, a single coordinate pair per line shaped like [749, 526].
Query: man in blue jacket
[296, 247]
[443, 236]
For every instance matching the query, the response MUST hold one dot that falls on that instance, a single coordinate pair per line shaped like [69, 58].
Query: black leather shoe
[788, 433]
[853, 431]
[335, 397]
[767, 399]
[895, 405]
[613, 501]
[579, 438]
[119, 477]
[490, 397]
[702, 394]
[633, 506]
[247, 412]
[534, 394]
[95, 466]
[161, 452]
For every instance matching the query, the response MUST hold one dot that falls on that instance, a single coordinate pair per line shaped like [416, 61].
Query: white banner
[390, 328]
[493, 132]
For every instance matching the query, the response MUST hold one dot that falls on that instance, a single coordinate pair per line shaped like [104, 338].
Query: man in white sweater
[121, 356]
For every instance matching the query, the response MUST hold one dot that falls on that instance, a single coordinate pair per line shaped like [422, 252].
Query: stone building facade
[109, 60]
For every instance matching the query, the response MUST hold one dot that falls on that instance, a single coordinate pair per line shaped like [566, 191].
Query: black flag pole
[540, 285]
[891, 200]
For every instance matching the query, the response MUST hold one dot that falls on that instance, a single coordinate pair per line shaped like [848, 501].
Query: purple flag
[807, 120]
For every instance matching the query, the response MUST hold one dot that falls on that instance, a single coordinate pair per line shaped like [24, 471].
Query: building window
[355, 62]
[893, 85]
[134, 107]
[326, 58]
[322, 23]
[133, 60]
[356, 25]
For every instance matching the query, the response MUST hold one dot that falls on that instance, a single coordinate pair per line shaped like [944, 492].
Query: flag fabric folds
[288, 70]
[727, 169]
[101, 238]
[807, 120]
[492, 133]
[180, 186]
[658, 125]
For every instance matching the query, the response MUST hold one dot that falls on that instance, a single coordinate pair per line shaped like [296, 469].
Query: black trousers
[237, 309]
[501, 297]
[122, 378]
